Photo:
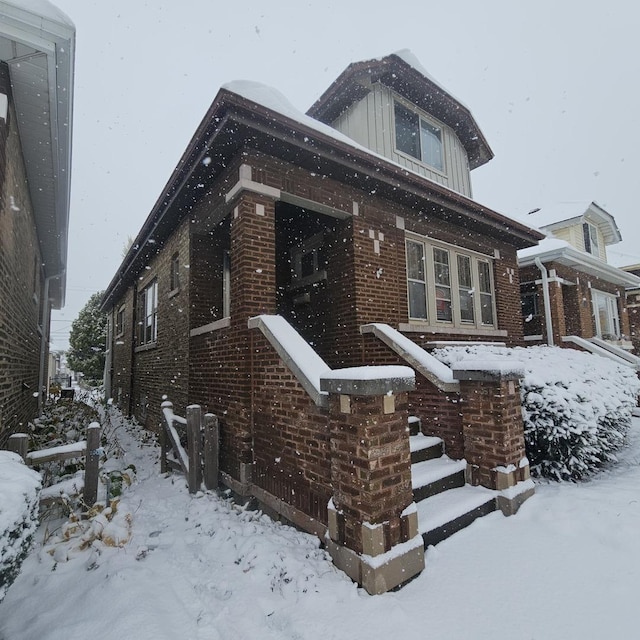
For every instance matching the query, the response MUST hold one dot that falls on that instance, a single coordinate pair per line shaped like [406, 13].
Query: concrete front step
[434, 476]
[425, 447]
[415, 425]
[444, 514]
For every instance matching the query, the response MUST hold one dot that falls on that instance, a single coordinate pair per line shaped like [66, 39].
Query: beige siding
[370, 123]
[574, 235]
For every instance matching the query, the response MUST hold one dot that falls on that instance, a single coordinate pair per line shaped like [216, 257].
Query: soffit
[38, 50]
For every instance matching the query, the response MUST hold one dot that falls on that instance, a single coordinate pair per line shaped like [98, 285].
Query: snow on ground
[567, 566]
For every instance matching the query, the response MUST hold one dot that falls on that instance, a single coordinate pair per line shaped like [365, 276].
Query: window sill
[173, 292]
[416, 327]
[211, 327]
[146, 347]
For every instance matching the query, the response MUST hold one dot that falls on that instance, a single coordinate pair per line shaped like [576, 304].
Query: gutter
[44, 338]
[547, 302]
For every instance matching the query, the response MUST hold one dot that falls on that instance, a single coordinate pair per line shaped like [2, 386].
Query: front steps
[445, 503]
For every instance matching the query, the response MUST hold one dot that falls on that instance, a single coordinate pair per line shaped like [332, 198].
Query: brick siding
[21, 288]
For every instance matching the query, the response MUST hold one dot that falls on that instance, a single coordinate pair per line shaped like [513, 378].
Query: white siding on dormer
[370, 123]
[574, 235]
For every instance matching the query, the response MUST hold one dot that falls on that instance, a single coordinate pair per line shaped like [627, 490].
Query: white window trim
[456, 323]
[430, 120]
[614, 313]
[119, 334]
[141, 341]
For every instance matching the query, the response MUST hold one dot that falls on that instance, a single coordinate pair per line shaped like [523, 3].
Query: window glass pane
[443, 282]
[484, 277]
[415, 260]
[307, 265]
[465, 288]
[443, 303]
[417, 300]
[441, 266]
[431, 140]
[593, 236]
[407, 127]
[486, 308]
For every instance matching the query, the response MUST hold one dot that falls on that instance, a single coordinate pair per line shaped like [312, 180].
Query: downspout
[44, 338]
[547, 301]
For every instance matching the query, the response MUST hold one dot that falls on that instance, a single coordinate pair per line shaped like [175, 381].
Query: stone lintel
[369, 381]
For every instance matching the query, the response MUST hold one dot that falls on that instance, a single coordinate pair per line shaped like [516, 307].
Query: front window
[418, 137]
[148, 314]
[449, 286]
[607, 320]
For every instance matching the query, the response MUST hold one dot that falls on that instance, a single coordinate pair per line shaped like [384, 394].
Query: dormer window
[418, 137]
[591, 243]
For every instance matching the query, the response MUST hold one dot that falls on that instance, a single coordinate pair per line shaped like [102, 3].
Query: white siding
[574, 235]
[370, 123]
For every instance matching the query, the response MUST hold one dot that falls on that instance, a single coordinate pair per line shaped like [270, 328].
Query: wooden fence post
[194, 446]
[91, 465]
[19, 443]
[211, 450]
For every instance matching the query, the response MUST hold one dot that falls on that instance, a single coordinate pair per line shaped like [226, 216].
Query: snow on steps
[425, 447]
[437, 475]
[446, 513]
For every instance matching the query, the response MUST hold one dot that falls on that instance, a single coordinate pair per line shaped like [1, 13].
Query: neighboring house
[36, 88]
[285, 246]
[570, 294]
[633, 307]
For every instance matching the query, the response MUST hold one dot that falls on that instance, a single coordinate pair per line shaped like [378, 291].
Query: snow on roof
[544, 246]
[274, 100]
[406, 55]
[41, 8]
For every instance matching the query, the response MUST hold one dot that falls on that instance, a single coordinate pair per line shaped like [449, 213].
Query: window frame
[309, 247]
[147, 315]
[430, 317]
[119, 321]
[591, 238]
[174, 274]
[612, 311]
[430, 123]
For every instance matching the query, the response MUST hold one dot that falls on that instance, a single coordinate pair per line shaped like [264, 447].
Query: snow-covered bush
[20, 487]
[576, 406]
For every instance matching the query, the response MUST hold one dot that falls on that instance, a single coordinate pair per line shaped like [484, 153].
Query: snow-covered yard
[567, 566]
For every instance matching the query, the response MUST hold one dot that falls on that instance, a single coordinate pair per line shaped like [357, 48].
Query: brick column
[556, 301]
[373, 526]
[493, 431]
[253, 292]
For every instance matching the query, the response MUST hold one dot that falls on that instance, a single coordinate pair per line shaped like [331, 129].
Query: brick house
[570, 295]
[36, 87]
[286, 252]
[633, 307]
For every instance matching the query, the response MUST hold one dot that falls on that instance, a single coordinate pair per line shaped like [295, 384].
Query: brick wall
[143, 374]
[290, 435]
[21, 283]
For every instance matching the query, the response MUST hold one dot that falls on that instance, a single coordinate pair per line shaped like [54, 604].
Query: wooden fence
[198, 458]
[89, 449]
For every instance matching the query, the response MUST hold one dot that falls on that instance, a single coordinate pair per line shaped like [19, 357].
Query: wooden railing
[89, 449]
[198, 460]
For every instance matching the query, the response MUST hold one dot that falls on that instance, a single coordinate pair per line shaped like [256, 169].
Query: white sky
[552, 84]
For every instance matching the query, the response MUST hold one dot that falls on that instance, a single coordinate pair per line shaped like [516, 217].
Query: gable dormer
[393, 107]
[586, 226]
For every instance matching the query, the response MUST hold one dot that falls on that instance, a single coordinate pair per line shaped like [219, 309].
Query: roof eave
[582, 262]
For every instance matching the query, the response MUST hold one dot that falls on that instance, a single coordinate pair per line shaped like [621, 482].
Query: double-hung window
[418, 137]
[148, 314]
[591, 240]
[449, 286]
